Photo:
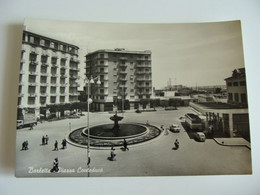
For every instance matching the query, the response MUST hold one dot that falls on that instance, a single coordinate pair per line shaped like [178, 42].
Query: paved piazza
[152, 158]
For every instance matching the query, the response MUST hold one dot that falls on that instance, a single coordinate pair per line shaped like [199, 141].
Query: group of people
[112, 151]
[63, 143]
[25, 145]
[45, 140]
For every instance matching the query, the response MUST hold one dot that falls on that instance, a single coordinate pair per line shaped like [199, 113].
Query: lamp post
[89, 101]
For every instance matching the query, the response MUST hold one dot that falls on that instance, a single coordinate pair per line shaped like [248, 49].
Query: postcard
[127, 100]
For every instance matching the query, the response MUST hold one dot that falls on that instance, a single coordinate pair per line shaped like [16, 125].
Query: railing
[33, 84]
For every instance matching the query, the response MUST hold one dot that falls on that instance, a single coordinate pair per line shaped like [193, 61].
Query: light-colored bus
[193, 121]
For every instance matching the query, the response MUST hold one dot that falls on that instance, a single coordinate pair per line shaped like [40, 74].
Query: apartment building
[236, 87]
[124, 75]
[48, 72]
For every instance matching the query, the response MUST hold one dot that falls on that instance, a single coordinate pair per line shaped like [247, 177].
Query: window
[242, 83]
[132, 90]
[101, 55]
[235, 83]
[230, 96]
[229, 84]
[236, 97]
[243, 98]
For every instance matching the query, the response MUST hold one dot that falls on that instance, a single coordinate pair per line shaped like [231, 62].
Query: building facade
[48, 72]
[124, 75]
[236, 88]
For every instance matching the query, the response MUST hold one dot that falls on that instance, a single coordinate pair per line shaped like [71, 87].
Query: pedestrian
[43, 140]
[162, 127]
[125, 145]
[56, 145]
[177, 144]
[23, 145]
[46, 139]
[64, 144]
[112, 154]
[55, 167]
[31, 127]
[166, 131]
[26, 145]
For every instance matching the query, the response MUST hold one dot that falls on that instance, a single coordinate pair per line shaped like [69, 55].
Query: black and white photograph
[125, 100]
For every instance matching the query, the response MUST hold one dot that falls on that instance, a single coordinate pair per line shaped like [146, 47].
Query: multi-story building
[236, 87]
[48, 72]
[124, 75]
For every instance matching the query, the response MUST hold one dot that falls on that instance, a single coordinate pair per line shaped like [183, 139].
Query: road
[152, 158]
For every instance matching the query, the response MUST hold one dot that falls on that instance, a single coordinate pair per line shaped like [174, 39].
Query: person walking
[43, 140]
[56, 145]
[64, 144]
[125, 145]
[26, 145]
[46, 139]
[112, 154]
[177, 144]
[55, 167]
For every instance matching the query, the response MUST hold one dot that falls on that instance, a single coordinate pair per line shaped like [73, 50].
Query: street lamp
[89, 101]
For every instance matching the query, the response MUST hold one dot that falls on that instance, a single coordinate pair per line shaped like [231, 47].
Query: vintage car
[199, 136]
[175, 128]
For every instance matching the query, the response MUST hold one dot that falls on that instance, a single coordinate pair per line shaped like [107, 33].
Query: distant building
[236, 88]
[48, 72]
[123, 74]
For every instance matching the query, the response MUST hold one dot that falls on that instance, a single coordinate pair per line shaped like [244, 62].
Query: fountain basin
[106, 131]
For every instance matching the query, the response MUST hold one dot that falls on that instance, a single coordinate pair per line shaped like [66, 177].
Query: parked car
[175, 128]
[182, 119]
[199, 136]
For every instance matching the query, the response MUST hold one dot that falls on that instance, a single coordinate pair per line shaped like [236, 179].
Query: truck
[26, 119]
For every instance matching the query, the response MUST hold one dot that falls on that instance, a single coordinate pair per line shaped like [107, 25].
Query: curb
[238, 145]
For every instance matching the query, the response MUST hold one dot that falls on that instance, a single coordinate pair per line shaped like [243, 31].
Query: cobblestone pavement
[153, 158]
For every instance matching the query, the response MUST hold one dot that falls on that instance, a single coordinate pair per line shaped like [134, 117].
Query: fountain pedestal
[116, 118]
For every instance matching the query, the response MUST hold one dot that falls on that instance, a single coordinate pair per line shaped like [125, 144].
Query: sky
[191, 54]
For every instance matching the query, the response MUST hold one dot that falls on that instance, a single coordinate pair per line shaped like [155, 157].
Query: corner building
[124, 75]
[48, 72]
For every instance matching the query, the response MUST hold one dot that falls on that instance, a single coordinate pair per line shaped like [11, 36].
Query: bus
[193, 121]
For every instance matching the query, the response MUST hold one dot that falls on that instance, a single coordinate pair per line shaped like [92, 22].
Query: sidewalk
[233, 142]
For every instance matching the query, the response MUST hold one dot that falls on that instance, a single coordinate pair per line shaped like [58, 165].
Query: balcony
[63, 76]
[32, 83]
[33, 73]
[143, 65]
[74, 59]
[54, 84]
[44, 84]
[63, 94]
[55, 65]
[143, 59]
[45, 74]
[63, 67]
[63, 84]
[143, 79]
[20, 95]
[45, 64]
[74, 76]
[32, 95]
[44, 94]
[140, 72]
[35, 51]
[122, 72]
[122, 79]
[74, 94]
[21, 72]
[54, 75]
[123, 65]
[123, 58]
[33, 62]
[101, 65]
[74, 85]
[53, 94]
[74, 68]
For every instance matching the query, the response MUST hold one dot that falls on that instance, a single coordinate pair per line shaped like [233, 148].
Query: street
[153, 158]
